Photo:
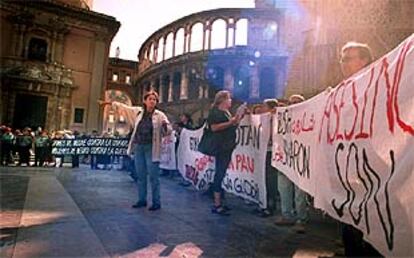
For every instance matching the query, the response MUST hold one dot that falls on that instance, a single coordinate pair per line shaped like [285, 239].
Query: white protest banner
[193, 165]
[245, 176]
[352, 149]
[167, 159]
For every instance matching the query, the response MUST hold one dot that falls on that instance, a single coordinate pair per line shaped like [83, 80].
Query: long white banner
[353, 149]
[245, 175]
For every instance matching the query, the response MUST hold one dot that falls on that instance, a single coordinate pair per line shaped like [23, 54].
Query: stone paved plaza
[65, 212]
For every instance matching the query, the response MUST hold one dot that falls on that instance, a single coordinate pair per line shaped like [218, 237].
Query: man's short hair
[364, 50]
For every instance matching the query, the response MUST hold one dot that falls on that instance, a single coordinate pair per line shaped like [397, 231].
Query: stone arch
[193, 83]
[151, 52]
[164, 83]
[169, 45]
[218, 33]
[176, 86]
[241, 28]
[197, 33]
[160, 47]
[179, 41]
[215, 79]
[241, 83]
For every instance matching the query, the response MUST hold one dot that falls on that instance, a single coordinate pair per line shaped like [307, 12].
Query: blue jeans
[144, 167]
[286, 190]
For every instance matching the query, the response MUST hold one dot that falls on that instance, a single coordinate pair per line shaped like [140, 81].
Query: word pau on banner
[94, 146]
[352, 148]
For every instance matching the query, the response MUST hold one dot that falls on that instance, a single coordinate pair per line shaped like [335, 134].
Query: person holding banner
[223, 125]
[290, 193]
[269, 106]
[354, 57]
[145, 144]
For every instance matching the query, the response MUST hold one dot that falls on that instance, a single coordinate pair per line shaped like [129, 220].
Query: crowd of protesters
[27, 147]
[17, 145]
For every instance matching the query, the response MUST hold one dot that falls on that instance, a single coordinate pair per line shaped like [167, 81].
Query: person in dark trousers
[223, 125]
[24, 144]
[7, 141]
[75, 158]
[41, 145]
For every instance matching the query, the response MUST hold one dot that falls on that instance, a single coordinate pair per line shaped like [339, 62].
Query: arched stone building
[290, 47]
[190, 59]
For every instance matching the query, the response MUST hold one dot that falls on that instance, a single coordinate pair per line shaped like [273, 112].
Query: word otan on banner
[352, 150]
[245, 175]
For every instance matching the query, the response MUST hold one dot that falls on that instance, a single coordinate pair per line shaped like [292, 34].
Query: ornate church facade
[54, 56]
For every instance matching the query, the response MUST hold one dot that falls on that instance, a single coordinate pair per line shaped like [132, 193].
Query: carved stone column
[204, 36]
[170, 87]
[155, 57]
[21, 51]
[209, 37]
[227, 33]
[185, 41]
[53, 47]
[15, 40]
[184, 84]
[173, 45]
[189, 41]
[163, 49]
[234, 33]
[160, 90]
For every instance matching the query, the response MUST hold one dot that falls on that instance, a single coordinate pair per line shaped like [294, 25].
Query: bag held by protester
[208, 144]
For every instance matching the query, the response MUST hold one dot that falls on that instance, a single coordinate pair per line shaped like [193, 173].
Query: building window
[37, 49]
[78, 118]
[128, 79]
[115, 77]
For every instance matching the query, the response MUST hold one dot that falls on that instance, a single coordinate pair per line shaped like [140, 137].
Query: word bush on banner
[95, 146]
[352, 149]
[245, 175]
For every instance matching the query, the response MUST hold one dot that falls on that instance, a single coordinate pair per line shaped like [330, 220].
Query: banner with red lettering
[352, 149]
[245, 175]
[167, 157]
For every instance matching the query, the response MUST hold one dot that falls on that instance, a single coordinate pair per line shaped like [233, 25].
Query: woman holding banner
[223, 125]
[145, 144]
